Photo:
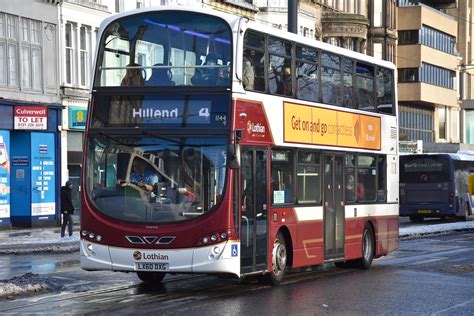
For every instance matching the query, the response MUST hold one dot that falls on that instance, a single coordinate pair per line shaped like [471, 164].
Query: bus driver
[143, 176]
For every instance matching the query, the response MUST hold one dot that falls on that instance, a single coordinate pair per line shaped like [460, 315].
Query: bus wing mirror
[471, 184]
[233, 156]
[233, 151]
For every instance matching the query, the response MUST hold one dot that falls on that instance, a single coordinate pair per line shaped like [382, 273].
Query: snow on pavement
[431, 229]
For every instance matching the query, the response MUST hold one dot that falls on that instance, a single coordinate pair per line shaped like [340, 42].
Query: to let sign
[31, 117]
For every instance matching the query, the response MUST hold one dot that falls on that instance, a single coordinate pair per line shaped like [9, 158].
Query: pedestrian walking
[67, 209]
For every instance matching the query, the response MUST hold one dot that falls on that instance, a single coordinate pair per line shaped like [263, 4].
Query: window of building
[282, 173]
[442, 122]
[469, 121]
[437, 40]
[437, 76]
[378, 13]
[378, 50]
[3, 64]
[2, 25]
[408, 75]
[357, 6]
[69, 52]
[9, 42]
[409, 37]
[12, 27]
[84, 62]
[139, 4]
[118, 6]
[416, 123]
[309, 177]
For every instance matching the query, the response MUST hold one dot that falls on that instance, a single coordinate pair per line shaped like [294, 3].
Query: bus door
[254, 208]
[333, 199]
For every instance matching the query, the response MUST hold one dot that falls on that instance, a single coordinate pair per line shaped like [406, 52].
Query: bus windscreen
[428, 169]
[155, 179]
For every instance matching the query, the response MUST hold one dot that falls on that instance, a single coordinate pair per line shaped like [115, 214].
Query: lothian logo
[137, 255]
[255, 128]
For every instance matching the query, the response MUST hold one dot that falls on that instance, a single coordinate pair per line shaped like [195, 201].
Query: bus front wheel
[151, 277]
[368, 248]
[279, 260]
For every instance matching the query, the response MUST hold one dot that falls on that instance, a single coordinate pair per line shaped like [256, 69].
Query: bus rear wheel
[151, 277]
[279, 260]
[368, 249]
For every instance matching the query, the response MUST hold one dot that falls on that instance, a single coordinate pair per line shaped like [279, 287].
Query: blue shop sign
[77, 117]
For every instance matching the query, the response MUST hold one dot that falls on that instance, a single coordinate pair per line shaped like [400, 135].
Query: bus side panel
[354, 229]
[280, 219]
[306, 236]
[309, 248]
[310, 244]
[386, 234]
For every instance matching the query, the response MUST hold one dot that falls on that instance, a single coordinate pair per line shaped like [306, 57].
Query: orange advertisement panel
[318, 126]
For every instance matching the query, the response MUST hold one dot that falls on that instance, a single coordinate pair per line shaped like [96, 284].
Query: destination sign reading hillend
[173, 112]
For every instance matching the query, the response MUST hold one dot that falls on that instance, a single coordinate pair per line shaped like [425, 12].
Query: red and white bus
[259, 150]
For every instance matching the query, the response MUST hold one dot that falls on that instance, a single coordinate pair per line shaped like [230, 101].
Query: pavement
[38, 240]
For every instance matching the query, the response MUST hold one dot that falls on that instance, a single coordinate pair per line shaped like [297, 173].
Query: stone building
[30, 113]
[434, 74]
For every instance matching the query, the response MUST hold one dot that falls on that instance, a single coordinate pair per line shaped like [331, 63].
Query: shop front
[30, 146]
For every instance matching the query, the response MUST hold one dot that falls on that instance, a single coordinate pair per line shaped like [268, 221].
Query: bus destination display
[159, 112]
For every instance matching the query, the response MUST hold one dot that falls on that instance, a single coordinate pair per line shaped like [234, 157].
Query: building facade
[463, 13]
[30, 113]
[79, 21]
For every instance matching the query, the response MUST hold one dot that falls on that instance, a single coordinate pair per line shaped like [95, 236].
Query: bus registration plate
[151, 266]
[424, 211]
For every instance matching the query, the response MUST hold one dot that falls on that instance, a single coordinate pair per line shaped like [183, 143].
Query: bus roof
[198, 8]
[464, 155]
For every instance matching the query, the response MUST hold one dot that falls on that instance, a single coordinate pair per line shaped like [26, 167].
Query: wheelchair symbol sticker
[235, 250]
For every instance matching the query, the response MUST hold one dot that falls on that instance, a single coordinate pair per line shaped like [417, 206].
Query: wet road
[428, 276]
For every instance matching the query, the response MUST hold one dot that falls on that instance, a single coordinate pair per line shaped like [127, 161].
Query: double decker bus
[437, 185]
[258, 150]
